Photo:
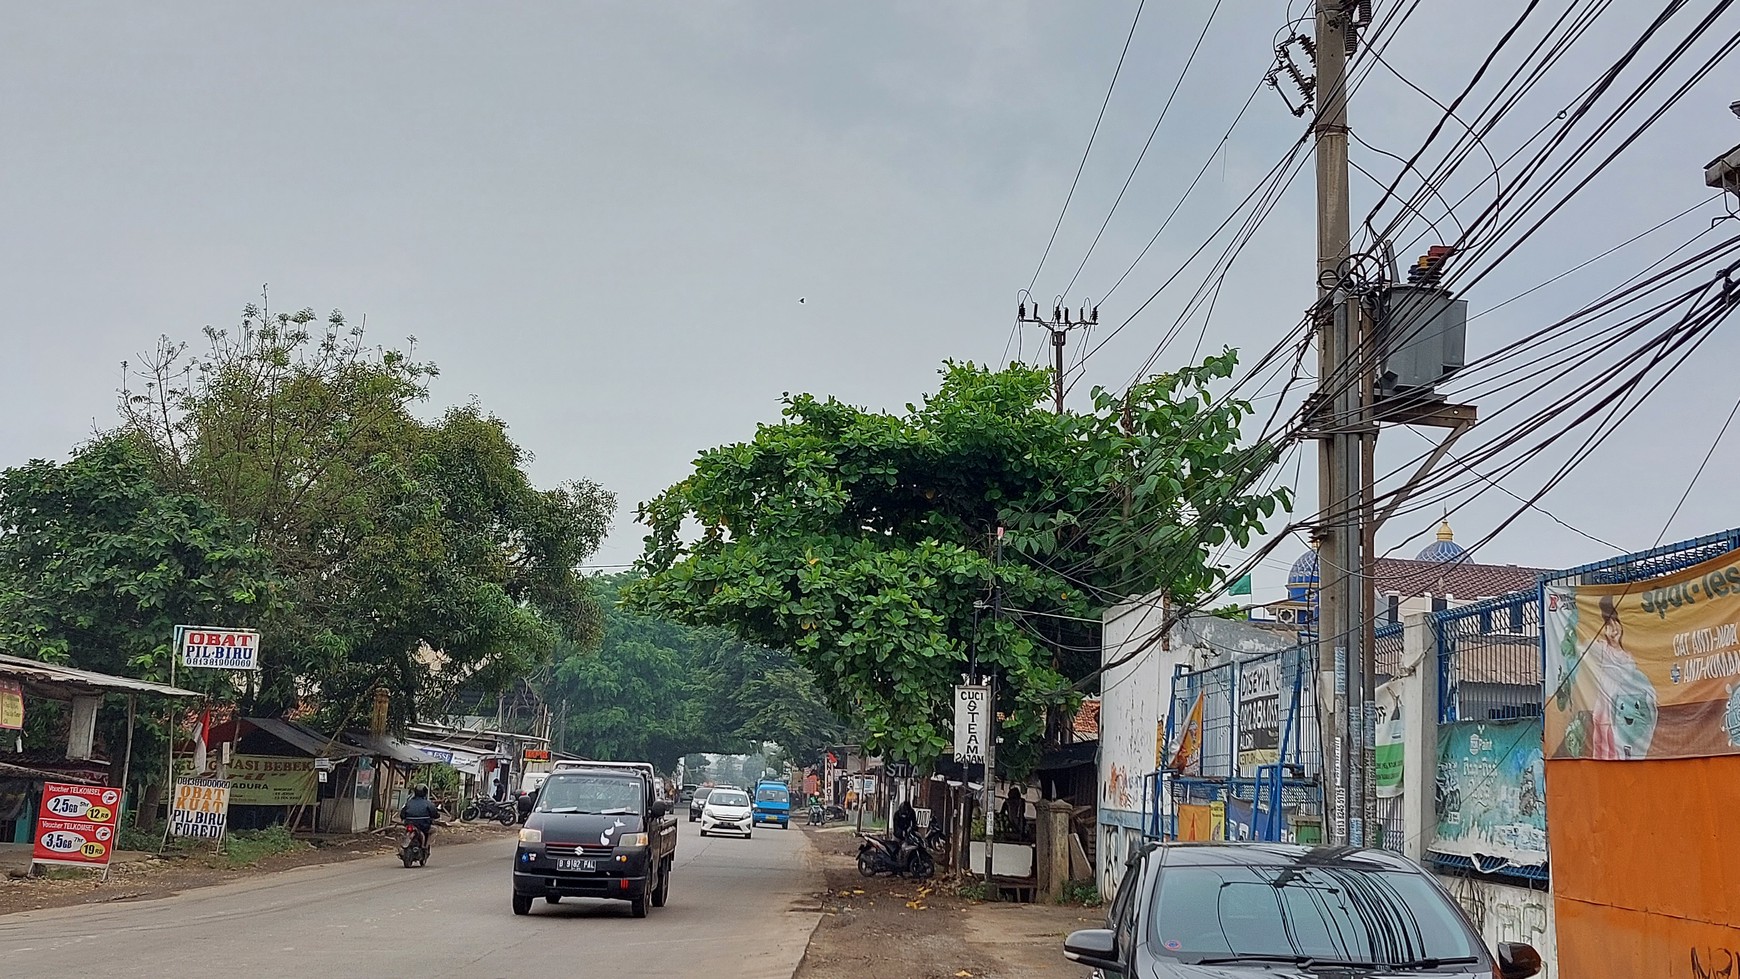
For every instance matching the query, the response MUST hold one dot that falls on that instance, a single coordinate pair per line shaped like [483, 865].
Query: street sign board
[76, 824]
[201, 807]
[900, 769]
[217, 648]
[972, 702]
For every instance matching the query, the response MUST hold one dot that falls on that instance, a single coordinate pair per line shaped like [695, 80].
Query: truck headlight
[531, 836]
[633, 839]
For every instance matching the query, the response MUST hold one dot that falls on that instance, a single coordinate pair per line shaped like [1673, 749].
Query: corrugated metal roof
[49, 673]
[384, 746]
[41, 775]
[303, 738]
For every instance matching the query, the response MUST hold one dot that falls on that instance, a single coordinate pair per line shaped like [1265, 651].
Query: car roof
[1282, 855]
[607, 772]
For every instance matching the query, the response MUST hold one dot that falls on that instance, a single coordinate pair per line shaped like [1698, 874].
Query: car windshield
[703, 793]
[597, 794]
[1338, 912]
[732, 798]
[772, 794]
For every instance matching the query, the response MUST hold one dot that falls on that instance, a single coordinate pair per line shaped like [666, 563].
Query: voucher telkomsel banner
[1647, 669]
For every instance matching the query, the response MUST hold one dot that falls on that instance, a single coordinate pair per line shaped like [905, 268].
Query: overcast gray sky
[599, 218]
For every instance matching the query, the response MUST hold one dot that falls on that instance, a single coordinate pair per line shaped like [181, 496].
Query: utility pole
[1058, 326]
[991, 696]
[1340, 556]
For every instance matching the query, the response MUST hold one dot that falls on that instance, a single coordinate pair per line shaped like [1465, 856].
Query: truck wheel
[637, 907]
[522, 904]
[663, 894]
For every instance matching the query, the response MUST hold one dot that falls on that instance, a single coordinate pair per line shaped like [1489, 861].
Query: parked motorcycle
[907, 857]
[483, 807]
[414, 846]
[936, 839]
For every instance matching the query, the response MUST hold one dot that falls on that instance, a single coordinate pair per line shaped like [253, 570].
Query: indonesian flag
[201, 728]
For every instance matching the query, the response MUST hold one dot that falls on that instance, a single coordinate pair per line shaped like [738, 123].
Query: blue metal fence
[1489, 659]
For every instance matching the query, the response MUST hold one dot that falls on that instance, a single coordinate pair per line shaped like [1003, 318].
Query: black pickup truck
[596, 832]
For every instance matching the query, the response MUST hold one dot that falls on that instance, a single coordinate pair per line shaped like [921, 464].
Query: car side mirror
[1517, 960]
[1095, 947]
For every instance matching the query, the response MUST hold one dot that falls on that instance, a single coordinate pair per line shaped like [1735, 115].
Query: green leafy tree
[863, 539]
[412, 554]
[659, 690]
[99, 564]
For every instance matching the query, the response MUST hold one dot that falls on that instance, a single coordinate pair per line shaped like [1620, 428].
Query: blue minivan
[773, 803]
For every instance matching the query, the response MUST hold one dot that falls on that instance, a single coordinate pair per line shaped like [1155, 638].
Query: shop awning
[303, 738]
[57, 682]
[384, 746]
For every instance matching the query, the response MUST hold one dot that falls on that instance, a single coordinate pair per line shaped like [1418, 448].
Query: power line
[1089, 149]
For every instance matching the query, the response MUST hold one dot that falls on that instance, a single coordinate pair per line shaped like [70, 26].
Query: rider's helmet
[421, 791]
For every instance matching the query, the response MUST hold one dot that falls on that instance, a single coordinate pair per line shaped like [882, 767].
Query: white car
[727, 811]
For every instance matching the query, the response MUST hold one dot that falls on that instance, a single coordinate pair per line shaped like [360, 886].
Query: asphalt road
[742, 908]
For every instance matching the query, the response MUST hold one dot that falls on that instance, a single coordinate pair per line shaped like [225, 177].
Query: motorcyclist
[905, 833]
[420, 813]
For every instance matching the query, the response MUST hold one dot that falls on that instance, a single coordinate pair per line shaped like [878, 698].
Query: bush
[1085, 893]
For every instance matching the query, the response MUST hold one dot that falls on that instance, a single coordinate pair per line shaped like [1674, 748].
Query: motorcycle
[936, 839]
[879, 855]
[484, 807]
[414, 847]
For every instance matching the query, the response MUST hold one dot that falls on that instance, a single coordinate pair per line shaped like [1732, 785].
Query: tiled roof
[1087, 720]
[1462, 580]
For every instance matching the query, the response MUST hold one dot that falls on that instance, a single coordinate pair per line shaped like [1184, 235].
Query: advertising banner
[1389, 740]
[214, 648]
[1490, 797]
[11, 705]
[1259, 713]
[971, 701]
[1188, 757]
[76, 824]
[1648, 669]
[272, 780]
[200, 808]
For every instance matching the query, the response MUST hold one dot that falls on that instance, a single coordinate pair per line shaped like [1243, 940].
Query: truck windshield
[596, 794]
[772, 794]
[1326, 912]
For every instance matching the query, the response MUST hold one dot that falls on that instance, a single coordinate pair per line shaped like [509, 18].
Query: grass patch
[973, 892]
[249, 847]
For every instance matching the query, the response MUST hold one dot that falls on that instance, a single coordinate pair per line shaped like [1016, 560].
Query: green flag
[1240, 586]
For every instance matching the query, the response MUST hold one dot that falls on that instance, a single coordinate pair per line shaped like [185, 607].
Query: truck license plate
[584, 866]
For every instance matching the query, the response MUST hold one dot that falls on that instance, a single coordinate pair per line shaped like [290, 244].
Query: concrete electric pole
[1058, 326]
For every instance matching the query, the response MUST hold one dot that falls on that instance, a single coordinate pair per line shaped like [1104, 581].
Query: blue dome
[1302, 577]
[1444, 548]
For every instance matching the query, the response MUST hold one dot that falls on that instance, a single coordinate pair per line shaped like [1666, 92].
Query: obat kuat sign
[214, 648]
[76, 824]
[972, 703]
[201, 808]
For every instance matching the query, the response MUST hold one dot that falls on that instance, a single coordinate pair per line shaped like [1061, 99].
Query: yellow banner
[271, 780]
[1190, 740]
[11, 705]
[1648, 669]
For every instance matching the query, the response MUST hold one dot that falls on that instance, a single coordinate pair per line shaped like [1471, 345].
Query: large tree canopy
[388, 533]
[862, 539]
[657, 690]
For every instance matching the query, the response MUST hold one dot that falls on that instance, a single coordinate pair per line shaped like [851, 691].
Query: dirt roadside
[143, 877]
[901, 929]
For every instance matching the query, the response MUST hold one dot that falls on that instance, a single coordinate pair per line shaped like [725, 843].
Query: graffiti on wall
[1504, 913]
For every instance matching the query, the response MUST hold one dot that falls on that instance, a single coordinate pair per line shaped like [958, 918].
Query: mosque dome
[1444, 548]
[1302, 577]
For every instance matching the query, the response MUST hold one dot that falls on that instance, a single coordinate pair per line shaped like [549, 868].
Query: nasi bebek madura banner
[1647, 669]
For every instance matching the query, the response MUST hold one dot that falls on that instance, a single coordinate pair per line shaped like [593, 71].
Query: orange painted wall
[1646, 867]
